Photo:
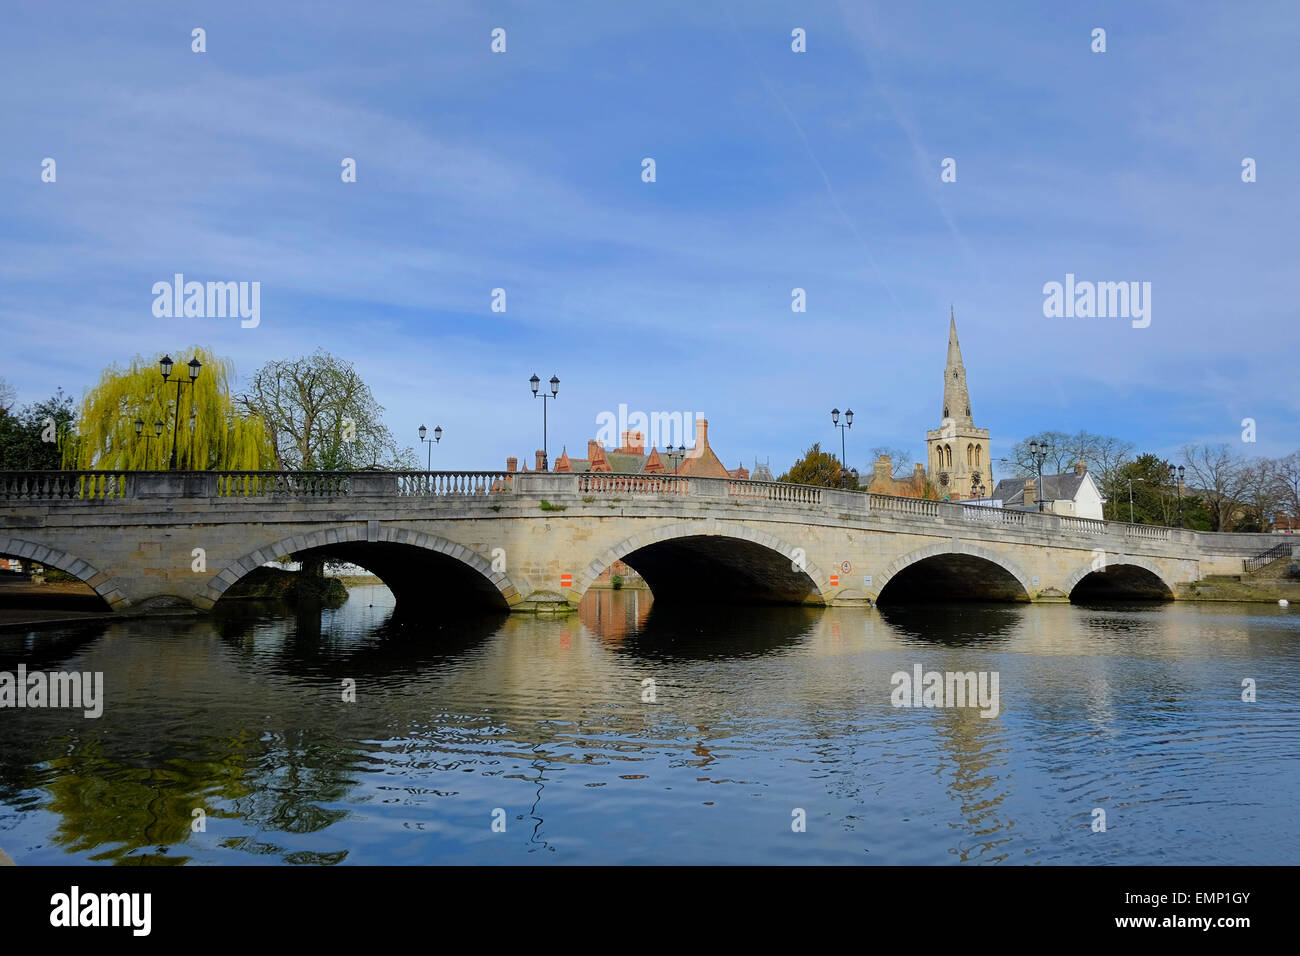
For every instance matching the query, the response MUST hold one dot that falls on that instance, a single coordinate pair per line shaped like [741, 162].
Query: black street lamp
[555, 388]
[437, 437]
[165, 366]
[158, 427]
[1038, 452]
[848, 423]
[675, 458]
[1176, 478]
[977, 488]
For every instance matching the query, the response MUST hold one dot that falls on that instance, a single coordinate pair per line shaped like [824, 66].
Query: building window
[947, 454]
[977, 455]
[970, 455]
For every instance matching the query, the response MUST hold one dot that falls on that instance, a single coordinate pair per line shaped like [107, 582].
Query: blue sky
[775, 170]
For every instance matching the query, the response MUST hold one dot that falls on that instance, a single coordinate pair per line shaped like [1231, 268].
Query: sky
[774, 170]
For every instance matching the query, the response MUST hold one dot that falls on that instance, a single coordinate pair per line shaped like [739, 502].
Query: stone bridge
[532, 541]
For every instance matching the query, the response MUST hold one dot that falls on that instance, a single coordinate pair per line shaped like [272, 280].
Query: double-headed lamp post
[977, 488]
[848, 423]
[165, 366]
[555, 388]
[675, 458]
[158, 427]
[1176, 478]
[437, 437]
[1038, 452]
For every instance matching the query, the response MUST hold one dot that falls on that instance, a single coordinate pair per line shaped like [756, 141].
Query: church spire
[956, 399]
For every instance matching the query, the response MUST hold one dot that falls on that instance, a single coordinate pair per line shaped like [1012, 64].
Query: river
[772, 737]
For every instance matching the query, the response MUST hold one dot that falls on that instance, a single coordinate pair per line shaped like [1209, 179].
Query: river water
[771, 737]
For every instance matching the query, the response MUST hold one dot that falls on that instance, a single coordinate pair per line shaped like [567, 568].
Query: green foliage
[24, 433]
[1155, 498]
[210, 434]
[817, 467]
[272, 583]
[55, 576]
[547, 506]
[617, 581]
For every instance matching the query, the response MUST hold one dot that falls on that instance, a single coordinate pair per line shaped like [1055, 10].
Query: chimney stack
[1031, 493]
[512, 463]
[1081, 468]
[541, 460]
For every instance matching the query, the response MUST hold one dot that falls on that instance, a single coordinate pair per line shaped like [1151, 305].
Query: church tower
[957, 451]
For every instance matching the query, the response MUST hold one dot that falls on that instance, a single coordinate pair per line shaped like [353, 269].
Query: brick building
[631, 458]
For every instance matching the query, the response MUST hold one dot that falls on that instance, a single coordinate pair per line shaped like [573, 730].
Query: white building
[1074, 494]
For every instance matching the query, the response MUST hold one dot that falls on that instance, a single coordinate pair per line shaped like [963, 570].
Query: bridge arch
[1123, 576]
[746, 557]
[948, 559]
[98, 581]
[388, 548]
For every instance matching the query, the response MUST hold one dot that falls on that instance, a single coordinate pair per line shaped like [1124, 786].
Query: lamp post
[165, 366]
[1176, 478]
[675, 458]
[1038, 452]
[977, 487]
[158, 427]
[437, 437]
[848, 423]
[555, 388]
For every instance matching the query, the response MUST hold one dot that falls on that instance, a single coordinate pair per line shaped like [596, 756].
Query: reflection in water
[676, 632]
[954, 624]
[245, 715]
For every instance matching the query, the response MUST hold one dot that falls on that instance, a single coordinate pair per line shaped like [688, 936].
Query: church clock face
[943, 479]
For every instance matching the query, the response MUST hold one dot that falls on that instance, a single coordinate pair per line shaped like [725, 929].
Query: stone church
[957, 452]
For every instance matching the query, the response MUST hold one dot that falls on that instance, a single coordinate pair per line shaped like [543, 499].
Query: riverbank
[1248, 591]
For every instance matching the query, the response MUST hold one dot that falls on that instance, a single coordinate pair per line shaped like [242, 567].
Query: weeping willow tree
[211, 434]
